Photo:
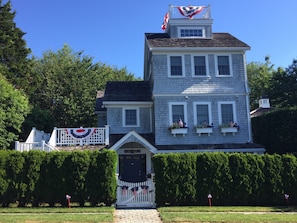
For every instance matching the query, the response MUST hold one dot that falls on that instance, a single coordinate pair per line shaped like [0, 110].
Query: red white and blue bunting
[80, 133]
[134, 190]
[190, 11]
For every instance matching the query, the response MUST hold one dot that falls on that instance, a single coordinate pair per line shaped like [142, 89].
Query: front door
[132, 168]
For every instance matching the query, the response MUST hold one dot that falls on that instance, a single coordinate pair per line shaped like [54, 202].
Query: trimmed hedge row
[37, 177]
[232, 179]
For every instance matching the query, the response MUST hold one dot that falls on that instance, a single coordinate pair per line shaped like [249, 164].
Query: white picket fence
[139, 194]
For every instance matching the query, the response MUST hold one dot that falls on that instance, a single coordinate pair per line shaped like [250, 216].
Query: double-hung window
[177, 112]
[223, 65]
[227, 112]
[130, 117]
[191, 32]
[202, 111]
[200, 66]
[176, 66]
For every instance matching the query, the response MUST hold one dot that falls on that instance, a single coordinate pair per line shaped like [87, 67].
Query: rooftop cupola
[264, 102]
[188, 22]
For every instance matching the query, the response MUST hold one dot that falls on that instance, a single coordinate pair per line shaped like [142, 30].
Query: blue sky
[112, 31]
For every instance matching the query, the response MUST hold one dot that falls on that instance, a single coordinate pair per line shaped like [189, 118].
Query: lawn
[228, 214]
[77, 214]
[185, 214]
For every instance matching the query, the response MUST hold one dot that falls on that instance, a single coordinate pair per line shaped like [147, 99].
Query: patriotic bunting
[190, 11]
[80, 133]
[134, 190]
[124, 190]
[144, 189]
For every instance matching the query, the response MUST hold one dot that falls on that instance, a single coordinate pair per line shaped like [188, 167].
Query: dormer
[189, 22]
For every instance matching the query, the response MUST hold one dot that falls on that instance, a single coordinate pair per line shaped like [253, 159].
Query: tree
[14, 106]
[259, 77]
[69, 82]
[283, 90]
[13, 51]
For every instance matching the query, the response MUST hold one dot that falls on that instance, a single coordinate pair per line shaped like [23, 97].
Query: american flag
[164, 24]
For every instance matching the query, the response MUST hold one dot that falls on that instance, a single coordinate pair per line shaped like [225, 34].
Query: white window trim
[185, 111]
[230, 65]
[220, 110]
[169, 65]
[124, 116]
[191, 28]
[209, 111]
[193, 65]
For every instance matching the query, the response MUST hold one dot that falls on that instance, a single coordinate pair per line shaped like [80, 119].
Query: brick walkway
[136, 216]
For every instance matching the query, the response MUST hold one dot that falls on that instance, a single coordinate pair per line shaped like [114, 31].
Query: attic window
[191, 32]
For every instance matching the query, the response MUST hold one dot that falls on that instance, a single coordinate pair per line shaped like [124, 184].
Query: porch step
[85, 147]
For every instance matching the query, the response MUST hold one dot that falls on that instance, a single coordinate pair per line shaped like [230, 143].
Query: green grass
[183, 214]
[29, 215]
[228, 214]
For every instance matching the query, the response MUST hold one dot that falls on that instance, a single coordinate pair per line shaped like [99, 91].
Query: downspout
[247, 99]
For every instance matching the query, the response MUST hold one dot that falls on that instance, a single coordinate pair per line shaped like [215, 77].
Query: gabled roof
[132, 136]
[128, 91]
[260, 111]
[219, 40]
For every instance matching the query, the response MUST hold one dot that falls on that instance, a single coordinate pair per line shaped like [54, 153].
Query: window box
[205, 130]
[179, 131]
[225, 130]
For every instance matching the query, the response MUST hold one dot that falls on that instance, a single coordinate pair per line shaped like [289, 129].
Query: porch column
[107, 135]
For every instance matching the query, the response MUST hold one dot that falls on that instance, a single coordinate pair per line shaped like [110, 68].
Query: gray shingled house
[194, 97]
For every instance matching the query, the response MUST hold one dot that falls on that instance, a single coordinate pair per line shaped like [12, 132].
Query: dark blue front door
[132, 168]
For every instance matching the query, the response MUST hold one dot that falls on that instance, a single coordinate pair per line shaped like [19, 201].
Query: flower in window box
[234, 125]
[231, 124]
[231, 127]
[174, 126]
[204, 125]
[177, 125]
[204, 129]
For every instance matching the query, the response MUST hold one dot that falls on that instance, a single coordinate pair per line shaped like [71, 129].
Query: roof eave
[113, 103]
[193, 49]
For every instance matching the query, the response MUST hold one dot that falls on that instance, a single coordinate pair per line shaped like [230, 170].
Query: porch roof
[149, 139]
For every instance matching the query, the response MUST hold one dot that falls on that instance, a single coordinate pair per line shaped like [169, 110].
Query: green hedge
[37, 177]
[276, 130]
[231, 179]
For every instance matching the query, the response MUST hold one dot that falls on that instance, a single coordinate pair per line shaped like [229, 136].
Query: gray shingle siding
[164, 137]
[115, 121]
[211, 84]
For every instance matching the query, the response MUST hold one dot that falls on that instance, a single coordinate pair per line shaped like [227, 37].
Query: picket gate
[136, 195]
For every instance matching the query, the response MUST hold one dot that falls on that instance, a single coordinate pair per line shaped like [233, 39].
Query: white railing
[67, 136]
[64, 137]
[26, 147]
[139, 194]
